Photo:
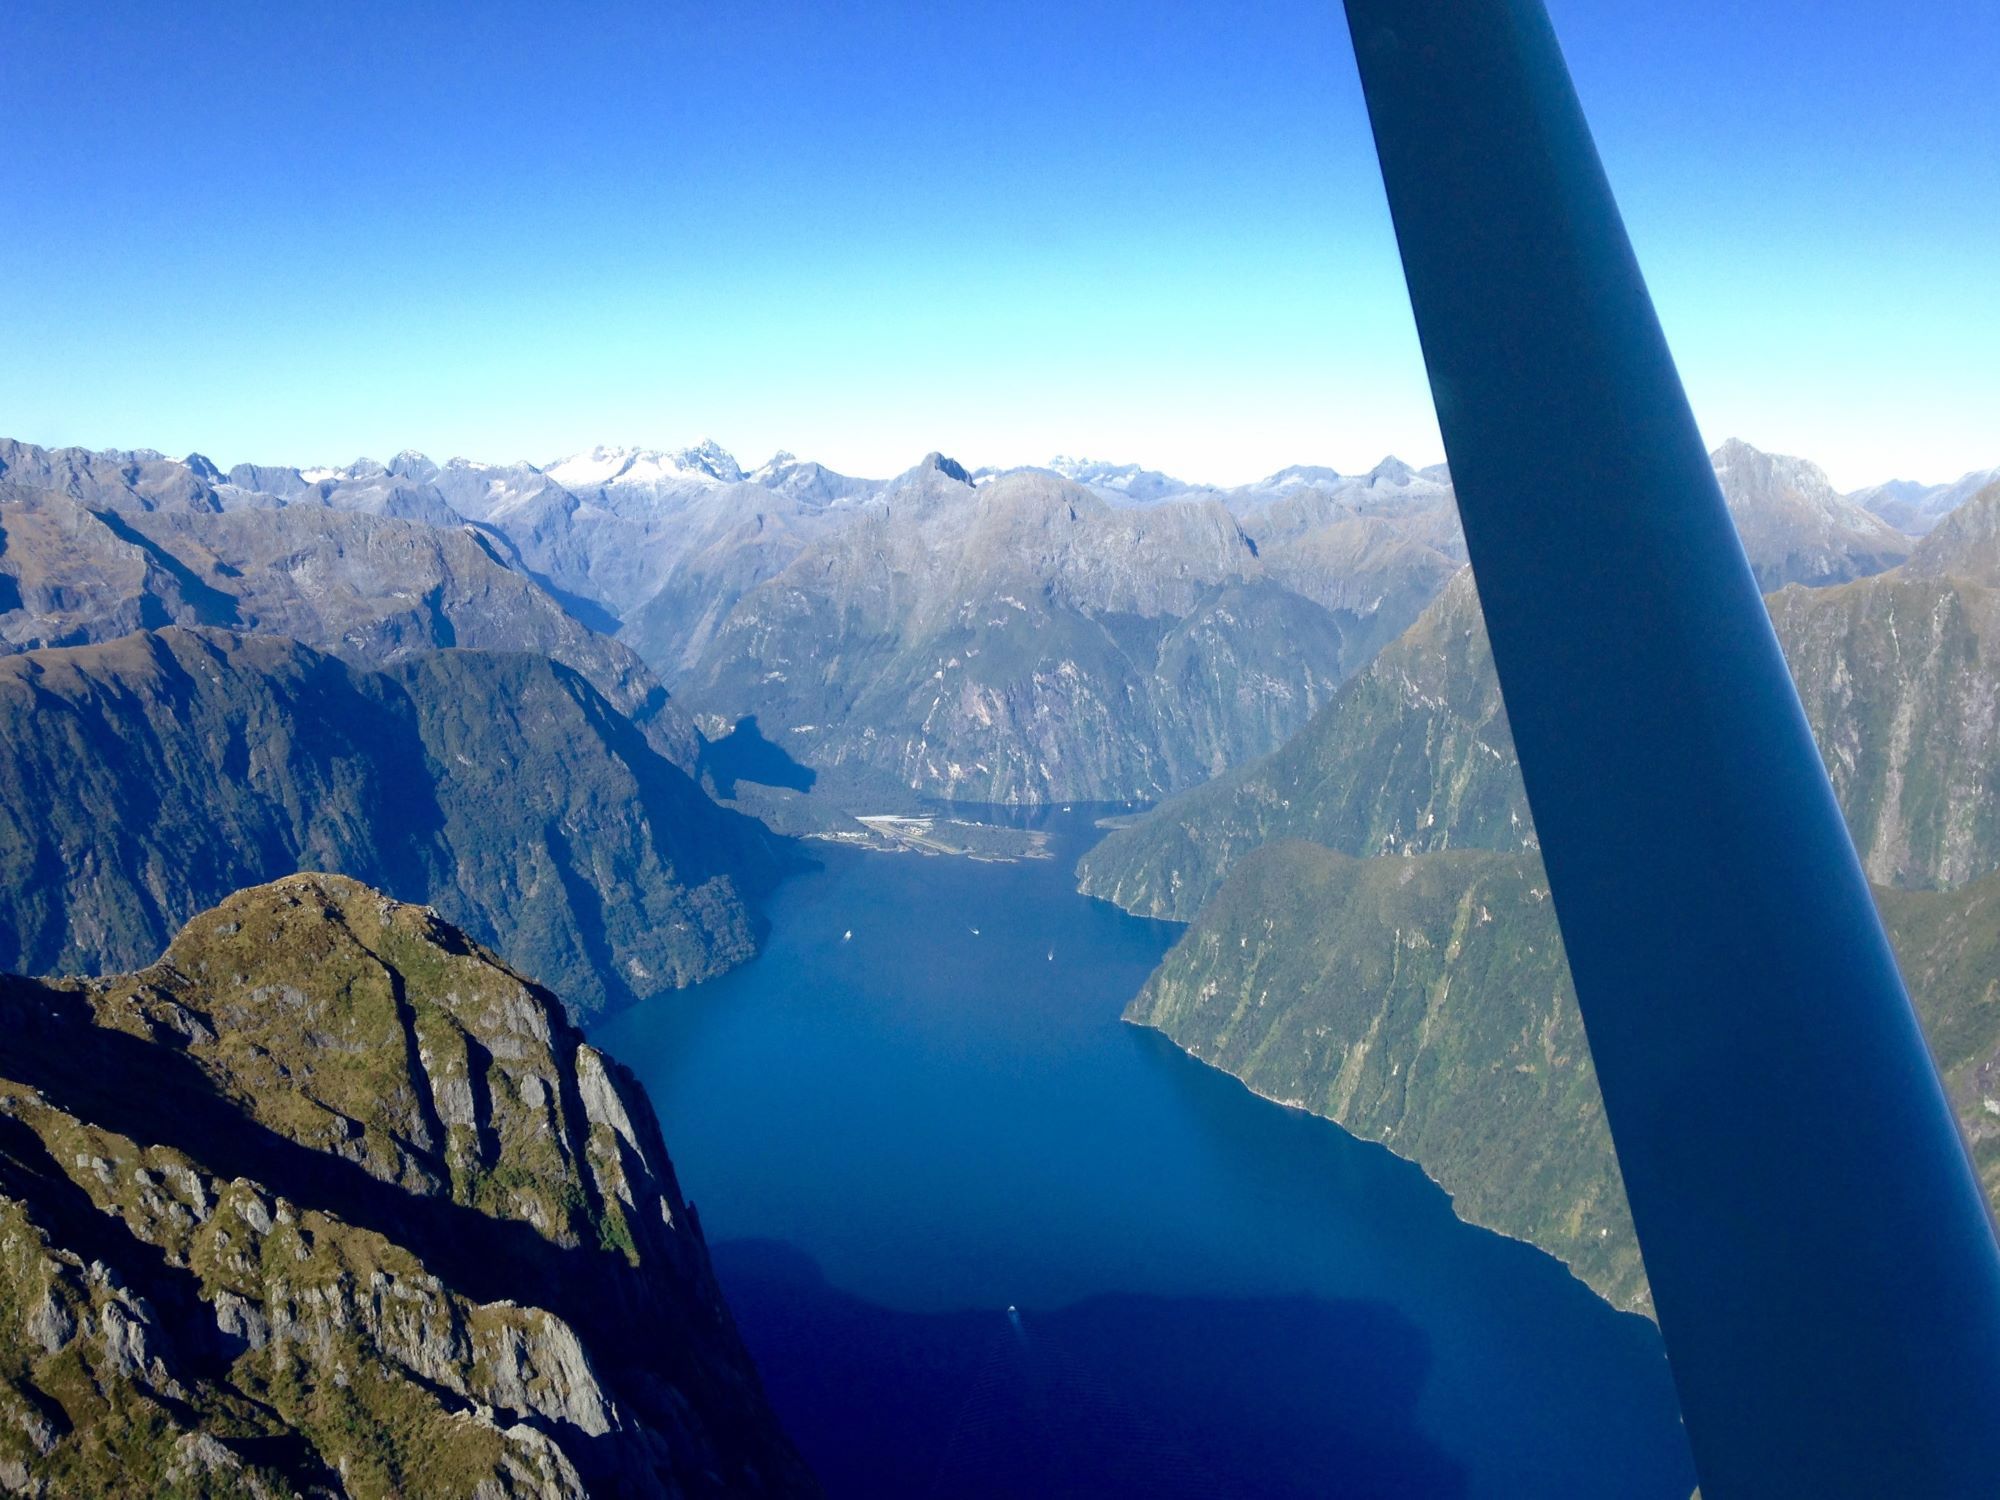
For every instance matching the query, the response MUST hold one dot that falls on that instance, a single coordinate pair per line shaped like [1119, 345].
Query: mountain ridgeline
[1026, 642]
[1082, 632]
[328, 1201]
[1018, 639]
[1896, 671]
[1371, 936]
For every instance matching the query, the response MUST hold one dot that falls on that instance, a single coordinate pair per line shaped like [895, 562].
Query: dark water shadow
[1275, 1398]
[745, 755]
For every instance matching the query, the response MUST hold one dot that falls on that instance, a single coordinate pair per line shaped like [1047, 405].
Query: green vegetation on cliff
[329, 1201]
[1420, 1002]
[1425, 1003]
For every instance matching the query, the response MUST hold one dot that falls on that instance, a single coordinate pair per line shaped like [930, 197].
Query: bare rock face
[1796, 528]
[329, 1201]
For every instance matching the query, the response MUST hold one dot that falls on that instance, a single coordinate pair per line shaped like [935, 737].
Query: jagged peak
[410, 464]
[705, 462]
[708, 457]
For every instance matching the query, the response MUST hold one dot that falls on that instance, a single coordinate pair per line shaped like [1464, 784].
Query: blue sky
[862, 231]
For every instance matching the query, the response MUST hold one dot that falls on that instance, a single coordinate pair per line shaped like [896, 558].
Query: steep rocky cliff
[328, 1201]
[147, 777]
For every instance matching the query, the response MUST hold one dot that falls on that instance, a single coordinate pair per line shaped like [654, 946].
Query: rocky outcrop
[329, 1201]
[1795, 527]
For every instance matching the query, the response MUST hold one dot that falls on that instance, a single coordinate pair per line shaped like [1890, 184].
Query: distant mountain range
[506, 638]
[1082, 631]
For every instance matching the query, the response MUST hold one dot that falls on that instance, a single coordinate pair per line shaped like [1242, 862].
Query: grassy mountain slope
[330, 1202]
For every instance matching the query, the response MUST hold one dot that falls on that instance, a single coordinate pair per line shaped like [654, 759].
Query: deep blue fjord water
[895, 1138]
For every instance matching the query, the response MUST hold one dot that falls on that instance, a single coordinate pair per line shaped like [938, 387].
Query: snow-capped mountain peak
[708, 457]
[1115, 482]
[707, 462]
[774, 466]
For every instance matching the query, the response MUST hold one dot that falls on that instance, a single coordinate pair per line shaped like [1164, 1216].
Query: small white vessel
[1052, 955]
[975, 932]
[847, 936]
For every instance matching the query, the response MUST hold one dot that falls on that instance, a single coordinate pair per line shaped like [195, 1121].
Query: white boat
[847, 936]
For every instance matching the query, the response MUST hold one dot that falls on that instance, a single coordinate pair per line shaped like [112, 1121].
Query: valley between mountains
[333, 801]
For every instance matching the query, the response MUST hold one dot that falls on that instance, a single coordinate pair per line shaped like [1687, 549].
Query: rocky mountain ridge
[1897, 672]
[330, 1202]
[106, 555]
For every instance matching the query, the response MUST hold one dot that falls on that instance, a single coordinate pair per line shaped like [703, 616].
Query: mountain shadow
[745, 755]
[1278, 1398]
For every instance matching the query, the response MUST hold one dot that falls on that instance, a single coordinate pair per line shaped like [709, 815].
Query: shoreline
[1450, 1197]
